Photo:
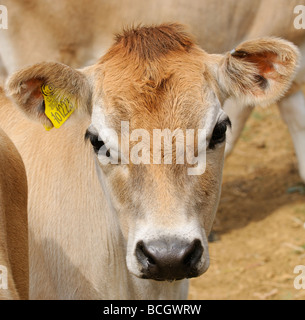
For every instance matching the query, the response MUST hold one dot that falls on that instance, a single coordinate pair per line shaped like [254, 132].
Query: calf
[129, 218]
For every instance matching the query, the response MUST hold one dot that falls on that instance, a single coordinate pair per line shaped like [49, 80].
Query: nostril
[143, 254]
[193, 254]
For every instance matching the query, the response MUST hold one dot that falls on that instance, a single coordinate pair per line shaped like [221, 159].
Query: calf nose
[169, 260]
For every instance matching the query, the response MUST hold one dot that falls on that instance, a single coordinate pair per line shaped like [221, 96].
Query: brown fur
[149, 43]
[147, 80]
[13, 220]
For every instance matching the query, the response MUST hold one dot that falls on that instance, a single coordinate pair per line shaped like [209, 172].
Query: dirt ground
[260, 221]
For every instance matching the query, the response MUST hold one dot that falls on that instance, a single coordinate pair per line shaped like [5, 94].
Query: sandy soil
[260, 224]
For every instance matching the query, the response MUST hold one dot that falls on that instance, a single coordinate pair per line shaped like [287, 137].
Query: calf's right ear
[25, 89]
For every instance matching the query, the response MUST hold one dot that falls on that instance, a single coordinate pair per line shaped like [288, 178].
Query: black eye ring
[219, 133]
[96, 142]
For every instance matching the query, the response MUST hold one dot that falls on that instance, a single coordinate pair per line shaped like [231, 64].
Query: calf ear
[25, 88]
[258, 71]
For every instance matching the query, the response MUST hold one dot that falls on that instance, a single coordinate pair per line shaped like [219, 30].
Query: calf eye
[96, 142]
[219, 133]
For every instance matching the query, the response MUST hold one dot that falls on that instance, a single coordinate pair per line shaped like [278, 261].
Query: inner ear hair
[259, 71]
[25, 85]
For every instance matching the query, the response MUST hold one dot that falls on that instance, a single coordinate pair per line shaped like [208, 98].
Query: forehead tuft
[149, 43]
[153, 77]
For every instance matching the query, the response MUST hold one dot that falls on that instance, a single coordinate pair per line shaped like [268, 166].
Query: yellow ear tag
[48, 128]
[57, 110]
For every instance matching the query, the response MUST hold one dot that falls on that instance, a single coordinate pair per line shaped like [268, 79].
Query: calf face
[158, 132]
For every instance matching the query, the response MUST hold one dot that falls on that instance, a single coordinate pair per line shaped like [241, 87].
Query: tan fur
[153, 87]
[80, 33]
[78, 229]
[70, 248]
[13, 220]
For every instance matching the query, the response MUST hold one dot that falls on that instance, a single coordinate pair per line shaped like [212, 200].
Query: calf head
[158, 132]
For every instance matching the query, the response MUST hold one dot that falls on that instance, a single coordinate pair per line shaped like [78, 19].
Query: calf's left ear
[258, 71]
[25, 88]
